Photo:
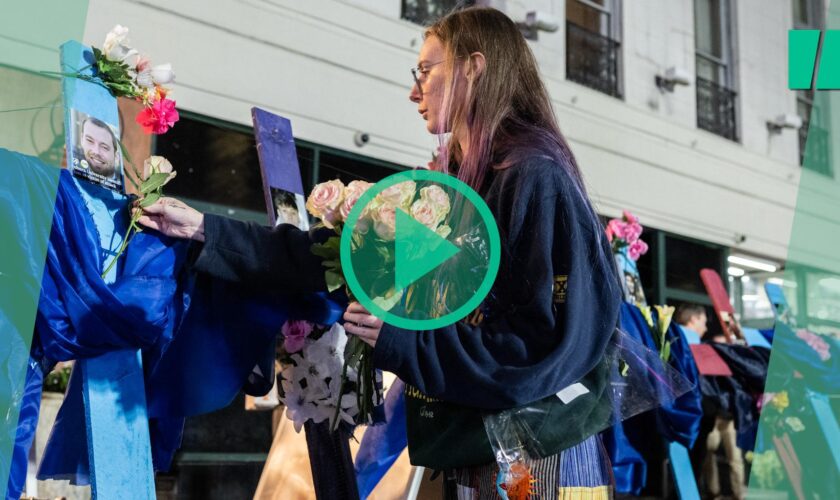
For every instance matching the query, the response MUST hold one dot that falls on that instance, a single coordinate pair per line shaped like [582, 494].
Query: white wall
[334, 67]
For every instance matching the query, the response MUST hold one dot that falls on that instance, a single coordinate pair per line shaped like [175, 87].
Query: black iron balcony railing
[716, 109]
[592, 59]
[813, 148]
[425, 12]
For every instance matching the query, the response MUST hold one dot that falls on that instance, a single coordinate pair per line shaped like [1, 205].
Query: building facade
[677, 110]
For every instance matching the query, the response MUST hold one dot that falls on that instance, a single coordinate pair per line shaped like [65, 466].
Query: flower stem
[129, 234]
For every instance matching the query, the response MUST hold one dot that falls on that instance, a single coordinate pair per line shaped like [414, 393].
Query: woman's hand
[174, 218]
[361, 323]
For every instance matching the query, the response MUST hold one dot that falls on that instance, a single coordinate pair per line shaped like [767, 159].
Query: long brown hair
[505, 111]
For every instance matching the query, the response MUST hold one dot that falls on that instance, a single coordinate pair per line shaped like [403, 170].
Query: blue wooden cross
[113, 390]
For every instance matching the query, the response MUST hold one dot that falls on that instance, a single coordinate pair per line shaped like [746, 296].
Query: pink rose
[399, 195]
[438, 198]
[424, 212]
[294, 335]
[385, 221]
[352, 193]
[637, 249]
[325, 200]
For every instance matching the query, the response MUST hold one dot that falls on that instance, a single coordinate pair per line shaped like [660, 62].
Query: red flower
[159, 117]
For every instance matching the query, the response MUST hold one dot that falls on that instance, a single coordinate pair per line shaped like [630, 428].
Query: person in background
[692, 317]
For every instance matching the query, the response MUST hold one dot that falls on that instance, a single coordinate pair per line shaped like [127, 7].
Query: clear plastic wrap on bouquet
[636, 381]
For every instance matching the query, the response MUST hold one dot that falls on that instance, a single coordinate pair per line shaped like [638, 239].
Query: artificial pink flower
[159, 117]
[294, 335]
[817, 343]
[628, 217]
[637, 249]
[615, 229]
[632, 231]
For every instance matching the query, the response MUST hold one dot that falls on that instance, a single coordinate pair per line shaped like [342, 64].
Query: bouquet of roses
[374, 231]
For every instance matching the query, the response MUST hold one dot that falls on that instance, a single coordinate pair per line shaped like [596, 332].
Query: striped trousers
[582, 472]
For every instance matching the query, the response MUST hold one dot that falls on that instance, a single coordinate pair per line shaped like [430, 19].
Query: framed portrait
[93, 151]
[289, 208]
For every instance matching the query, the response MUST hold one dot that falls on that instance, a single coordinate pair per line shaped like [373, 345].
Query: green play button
[420, 250]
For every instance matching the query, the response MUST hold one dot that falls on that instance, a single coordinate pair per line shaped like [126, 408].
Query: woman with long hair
[546, 323]
[540, 336]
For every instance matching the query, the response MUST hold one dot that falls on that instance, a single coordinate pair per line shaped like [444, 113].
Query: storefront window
[683, 261]
[823, 292]
[219, 171]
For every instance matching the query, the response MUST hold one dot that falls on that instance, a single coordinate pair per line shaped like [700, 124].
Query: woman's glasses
[420, 71]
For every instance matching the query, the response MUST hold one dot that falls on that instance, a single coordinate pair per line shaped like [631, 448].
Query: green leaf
[153, 182]
[332, 264]
[150, 199]
[330, 249]
[334, 280]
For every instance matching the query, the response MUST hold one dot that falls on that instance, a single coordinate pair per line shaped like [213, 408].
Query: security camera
[673, 76]
[361, 138]
[542, 21]
[784, 121]
[536, 21]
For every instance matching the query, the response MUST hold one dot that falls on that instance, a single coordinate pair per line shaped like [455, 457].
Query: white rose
[116, 49]
[117, 36]
[162, 74]
[158, 165]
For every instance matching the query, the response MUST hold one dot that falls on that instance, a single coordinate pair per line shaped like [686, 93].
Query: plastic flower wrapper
[603, 398]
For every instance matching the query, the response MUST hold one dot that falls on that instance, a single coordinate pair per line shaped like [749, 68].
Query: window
[813, 137]
[807, 14]
[219, 171]
[592, 47]
[715, 80]
[425, 12]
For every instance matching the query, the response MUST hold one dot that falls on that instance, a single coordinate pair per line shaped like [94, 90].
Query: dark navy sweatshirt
[550, 314]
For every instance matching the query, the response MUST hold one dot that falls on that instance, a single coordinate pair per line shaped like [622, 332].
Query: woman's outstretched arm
[278, 258]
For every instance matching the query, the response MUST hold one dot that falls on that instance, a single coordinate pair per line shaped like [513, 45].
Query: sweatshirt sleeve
[276, 258]
[551, 312]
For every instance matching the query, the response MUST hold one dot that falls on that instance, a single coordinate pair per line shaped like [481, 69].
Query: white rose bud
[158, 165]
[162, 74]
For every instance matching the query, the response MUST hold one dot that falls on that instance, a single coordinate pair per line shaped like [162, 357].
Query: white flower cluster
[312, 381]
